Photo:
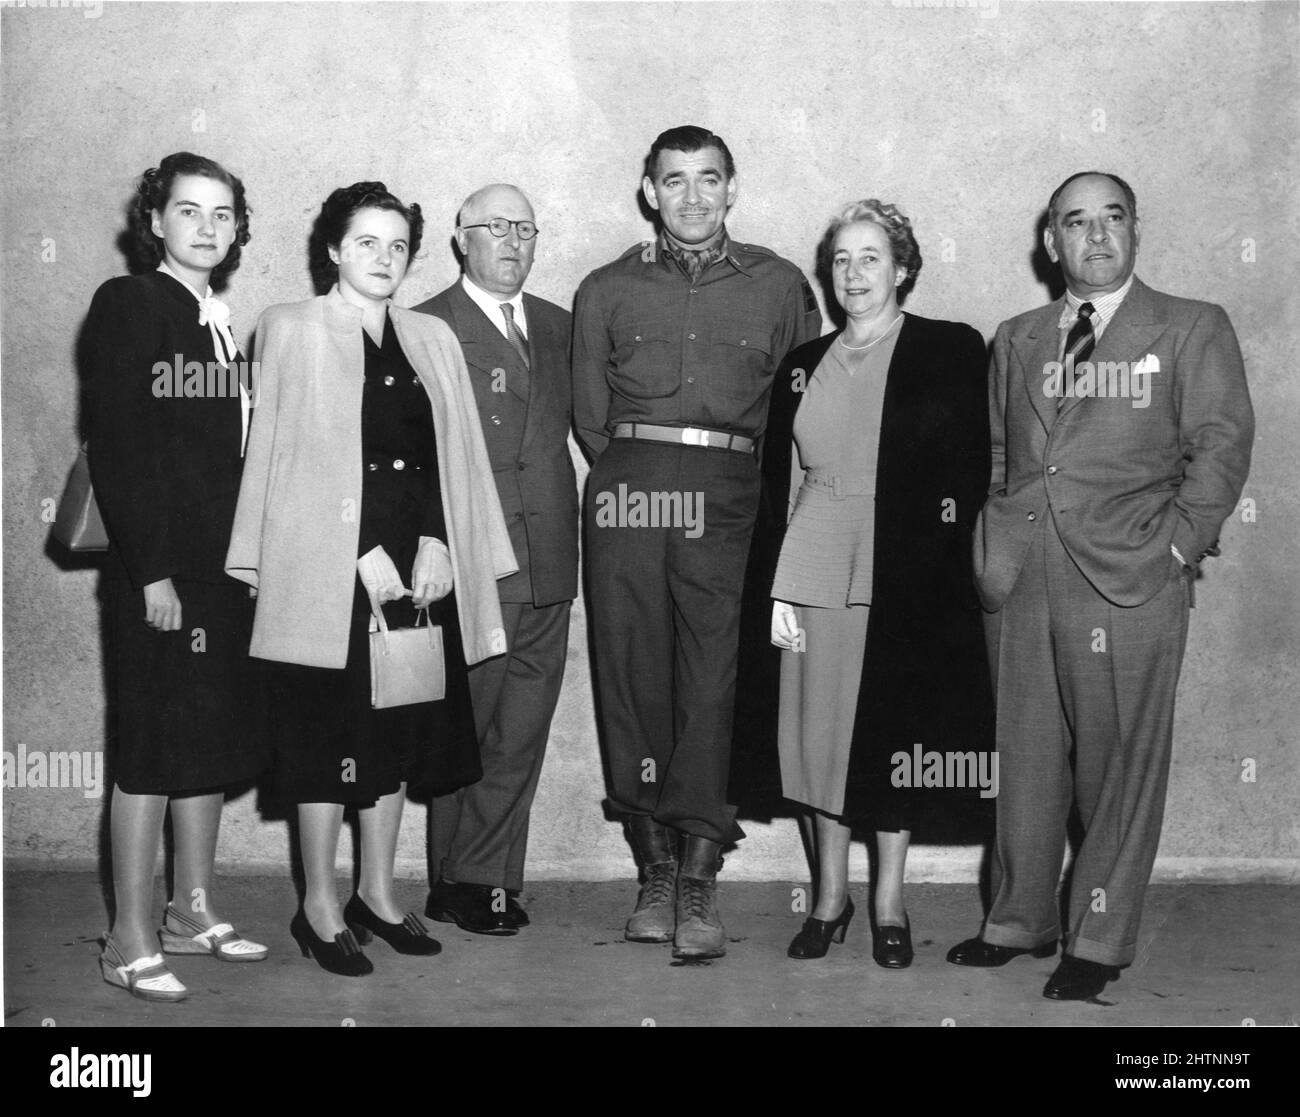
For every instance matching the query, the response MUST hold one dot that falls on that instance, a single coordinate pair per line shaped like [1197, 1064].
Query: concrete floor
[1210, 955]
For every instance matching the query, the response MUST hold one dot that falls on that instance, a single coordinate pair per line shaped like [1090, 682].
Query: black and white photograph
[652, 514]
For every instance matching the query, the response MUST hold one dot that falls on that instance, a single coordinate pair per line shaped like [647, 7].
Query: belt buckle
[694, 436]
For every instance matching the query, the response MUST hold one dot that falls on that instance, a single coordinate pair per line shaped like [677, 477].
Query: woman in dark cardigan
[877, 453]
[165, 451]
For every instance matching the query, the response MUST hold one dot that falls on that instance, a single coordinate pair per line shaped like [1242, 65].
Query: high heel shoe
[817, 934]
[342, 956]
[891, 945]
[408, 937]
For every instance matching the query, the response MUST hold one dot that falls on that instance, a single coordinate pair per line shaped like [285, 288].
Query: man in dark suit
[517, 349]
[1121, 429]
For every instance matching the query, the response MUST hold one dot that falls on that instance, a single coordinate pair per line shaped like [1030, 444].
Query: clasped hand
[431, 574]
[786, 633]
[162, 607]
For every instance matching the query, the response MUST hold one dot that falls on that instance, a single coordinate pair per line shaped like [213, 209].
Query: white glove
[380, 577]
[431, 575]
[786, 632]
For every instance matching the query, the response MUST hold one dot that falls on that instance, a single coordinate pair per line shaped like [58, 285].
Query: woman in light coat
[366, 466]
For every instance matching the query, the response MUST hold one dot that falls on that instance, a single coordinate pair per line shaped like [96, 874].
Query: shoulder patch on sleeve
[809, 299]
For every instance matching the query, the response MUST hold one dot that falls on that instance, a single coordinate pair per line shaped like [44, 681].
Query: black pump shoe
[342, 956]
[815, 939]
[891, 945]
[407, 937]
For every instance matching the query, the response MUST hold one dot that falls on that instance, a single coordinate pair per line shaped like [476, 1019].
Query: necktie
[1079, 344]
[514, 335]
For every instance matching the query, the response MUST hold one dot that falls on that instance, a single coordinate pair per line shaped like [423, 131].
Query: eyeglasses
[499, 227]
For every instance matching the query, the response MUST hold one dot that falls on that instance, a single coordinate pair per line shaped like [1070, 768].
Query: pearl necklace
[863, 348]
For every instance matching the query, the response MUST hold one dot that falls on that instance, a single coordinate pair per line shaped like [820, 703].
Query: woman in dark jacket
[168, 407]
[877, 448]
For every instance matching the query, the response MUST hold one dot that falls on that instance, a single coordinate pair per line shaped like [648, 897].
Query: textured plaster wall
[965, 115]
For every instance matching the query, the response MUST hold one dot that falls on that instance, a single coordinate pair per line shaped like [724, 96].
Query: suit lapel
[1128, 336]
[546, 351]
[1034, 348]
[485, 347]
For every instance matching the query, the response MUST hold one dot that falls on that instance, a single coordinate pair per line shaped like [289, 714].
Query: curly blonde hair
[902, 242]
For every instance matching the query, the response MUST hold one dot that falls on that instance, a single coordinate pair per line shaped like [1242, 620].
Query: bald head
[478, 206]
[499, 265]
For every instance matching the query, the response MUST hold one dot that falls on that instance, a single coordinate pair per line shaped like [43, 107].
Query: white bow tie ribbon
[212, 309]
[215, 314]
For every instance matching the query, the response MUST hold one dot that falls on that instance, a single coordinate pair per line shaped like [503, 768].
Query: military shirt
[650, 346]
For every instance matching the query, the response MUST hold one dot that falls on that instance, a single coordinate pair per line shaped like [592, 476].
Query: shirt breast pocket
[741, 359]
[645, 363]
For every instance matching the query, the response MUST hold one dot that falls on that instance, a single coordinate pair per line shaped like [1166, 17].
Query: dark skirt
[331, 746]
[186, 707]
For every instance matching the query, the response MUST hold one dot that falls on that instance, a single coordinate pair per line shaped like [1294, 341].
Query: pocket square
[1149, 363]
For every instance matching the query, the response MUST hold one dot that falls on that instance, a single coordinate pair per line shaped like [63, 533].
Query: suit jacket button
[496, 419]
[399, 464]
[373, 466]
[1051, 469]
[388, 381]
[1032, 516]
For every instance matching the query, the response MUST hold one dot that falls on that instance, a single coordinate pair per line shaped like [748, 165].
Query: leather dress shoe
[977, 952]
[472, 907]
[515, 910]
[891, 945]
[1077, 979]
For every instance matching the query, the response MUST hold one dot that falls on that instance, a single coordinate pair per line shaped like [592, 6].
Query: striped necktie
[514, 335]
[1079, 344]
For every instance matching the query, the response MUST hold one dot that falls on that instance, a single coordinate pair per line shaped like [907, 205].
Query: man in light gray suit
[1121, 431]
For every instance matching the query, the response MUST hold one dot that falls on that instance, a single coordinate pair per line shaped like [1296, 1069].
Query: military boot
[699, 927]
[654, 919]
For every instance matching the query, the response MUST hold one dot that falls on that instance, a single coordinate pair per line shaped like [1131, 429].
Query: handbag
[78, 524]
[406, 664]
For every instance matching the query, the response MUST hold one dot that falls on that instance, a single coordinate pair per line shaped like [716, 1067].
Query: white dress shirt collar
[1103, 308]
[491, 306]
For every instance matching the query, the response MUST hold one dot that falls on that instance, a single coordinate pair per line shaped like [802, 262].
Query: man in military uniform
[675, 346]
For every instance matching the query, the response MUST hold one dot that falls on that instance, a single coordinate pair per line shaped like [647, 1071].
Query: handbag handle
[377, 615]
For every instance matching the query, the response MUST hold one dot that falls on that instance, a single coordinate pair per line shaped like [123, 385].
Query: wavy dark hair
[336, 215]
[145, 250]
[898, 229]
[688, 138]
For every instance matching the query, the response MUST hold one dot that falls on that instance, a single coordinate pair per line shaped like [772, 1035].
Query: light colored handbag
[77, 523]
[406, 664]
